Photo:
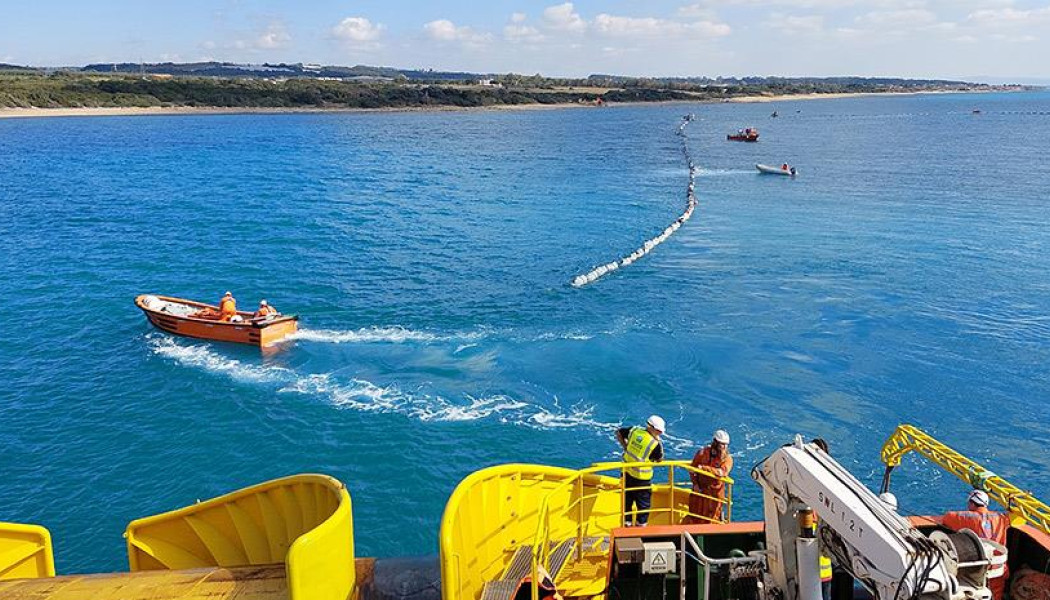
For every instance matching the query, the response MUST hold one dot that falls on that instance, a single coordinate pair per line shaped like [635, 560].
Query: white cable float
[648, 245]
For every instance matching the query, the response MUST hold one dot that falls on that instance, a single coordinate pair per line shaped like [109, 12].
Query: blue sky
[914, 38]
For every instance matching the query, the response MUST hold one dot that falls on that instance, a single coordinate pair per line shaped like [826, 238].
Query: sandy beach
[6, 112]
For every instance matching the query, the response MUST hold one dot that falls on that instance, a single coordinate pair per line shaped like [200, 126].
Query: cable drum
[648, 246]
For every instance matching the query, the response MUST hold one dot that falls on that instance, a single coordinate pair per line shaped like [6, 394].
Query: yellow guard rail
[25, 552]
[581, 510]
[304, 521]
[1022, 505]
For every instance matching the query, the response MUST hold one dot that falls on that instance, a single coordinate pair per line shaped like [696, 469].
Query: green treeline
[72, 89]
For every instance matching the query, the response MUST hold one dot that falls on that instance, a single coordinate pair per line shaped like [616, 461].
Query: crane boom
[1022, 505]
[858, 531]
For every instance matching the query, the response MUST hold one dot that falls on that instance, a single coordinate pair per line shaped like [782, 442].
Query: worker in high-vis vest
[826, 575]
[987, 524]
[640, 445]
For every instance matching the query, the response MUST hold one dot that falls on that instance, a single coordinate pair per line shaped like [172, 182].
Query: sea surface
[903, 277]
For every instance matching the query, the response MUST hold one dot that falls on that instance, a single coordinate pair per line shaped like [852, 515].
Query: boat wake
[392, 335]
[401, 335]
[722, 172]
[362, 395]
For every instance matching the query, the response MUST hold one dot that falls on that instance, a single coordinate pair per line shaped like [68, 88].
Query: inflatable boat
[790, 171]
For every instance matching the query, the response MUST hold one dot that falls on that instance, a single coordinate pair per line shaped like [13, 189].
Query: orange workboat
[186, 317]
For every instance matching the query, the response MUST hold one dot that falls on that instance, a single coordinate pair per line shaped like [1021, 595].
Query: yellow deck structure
[287, 539]
[509, 522]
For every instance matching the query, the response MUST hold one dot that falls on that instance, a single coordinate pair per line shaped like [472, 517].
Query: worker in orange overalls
[988, 525]
[715, 459]
[227, 307]
[265, 311]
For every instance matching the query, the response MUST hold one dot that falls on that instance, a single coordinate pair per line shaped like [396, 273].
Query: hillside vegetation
[69, 89]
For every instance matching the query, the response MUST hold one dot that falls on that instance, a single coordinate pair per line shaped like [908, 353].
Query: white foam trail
[398, 335]
[648, 246]
[362, 395]
[374, 334]
[204, 358]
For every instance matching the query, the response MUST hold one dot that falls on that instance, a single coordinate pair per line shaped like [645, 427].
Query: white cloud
[796, 25]
[900, 19]
[358, 30]
[443, 30]
[1008, 16]
[518, 17]
[651, 27]
[563, 17]
[697, 11]
[275, 36]
[518, 32]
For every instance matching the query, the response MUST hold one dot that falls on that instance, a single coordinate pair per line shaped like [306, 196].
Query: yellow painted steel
[496, 510]
[1022, 505]
[304, 521]
[25, 552]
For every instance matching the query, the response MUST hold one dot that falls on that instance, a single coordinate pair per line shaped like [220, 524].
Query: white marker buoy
[649, 244]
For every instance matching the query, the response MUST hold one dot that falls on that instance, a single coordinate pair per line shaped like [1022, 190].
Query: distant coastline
[124, 111]
[221, 88]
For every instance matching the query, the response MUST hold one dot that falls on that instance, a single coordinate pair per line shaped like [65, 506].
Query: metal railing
[584, 522]
[756, 558]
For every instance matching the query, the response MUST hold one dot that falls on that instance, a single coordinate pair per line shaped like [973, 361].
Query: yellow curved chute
[303, 521]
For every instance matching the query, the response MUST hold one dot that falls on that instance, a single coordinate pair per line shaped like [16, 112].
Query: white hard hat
[228, 293]
[722, 437]
[889, 499]
[657, 423]
[979, 497]
[262, 302]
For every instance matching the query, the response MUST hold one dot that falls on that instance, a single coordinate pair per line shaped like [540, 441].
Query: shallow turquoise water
[901, 278]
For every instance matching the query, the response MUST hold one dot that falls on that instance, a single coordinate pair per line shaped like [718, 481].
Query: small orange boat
[179, 316]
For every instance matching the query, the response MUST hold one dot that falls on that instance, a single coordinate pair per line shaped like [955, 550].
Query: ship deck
[243, 583]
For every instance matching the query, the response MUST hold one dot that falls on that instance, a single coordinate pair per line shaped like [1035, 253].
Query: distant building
[489, 83]
[161, 76]
[312, 67]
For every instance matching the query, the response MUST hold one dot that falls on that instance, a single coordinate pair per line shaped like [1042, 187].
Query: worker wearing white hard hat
[713, 463]
[889, 499]
[227, 307]
[265, 311]
[987, 524]
[640, 445]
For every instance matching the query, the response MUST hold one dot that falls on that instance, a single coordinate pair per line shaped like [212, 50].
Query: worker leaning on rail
[640, 444]
[715, 459]
[988, 525]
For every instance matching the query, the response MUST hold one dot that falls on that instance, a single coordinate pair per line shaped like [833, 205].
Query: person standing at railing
[640, 444]
[715, 460]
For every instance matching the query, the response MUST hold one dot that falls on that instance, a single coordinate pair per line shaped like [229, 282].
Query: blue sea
[904, 276]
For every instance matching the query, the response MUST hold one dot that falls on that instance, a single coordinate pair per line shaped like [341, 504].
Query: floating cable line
[647, 247]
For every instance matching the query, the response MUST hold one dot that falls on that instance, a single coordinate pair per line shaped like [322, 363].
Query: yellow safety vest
[640, 446]
[825, 568]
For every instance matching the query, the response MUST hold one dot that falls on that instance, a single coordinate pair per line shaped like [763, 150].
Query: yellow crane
[1022, 505]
